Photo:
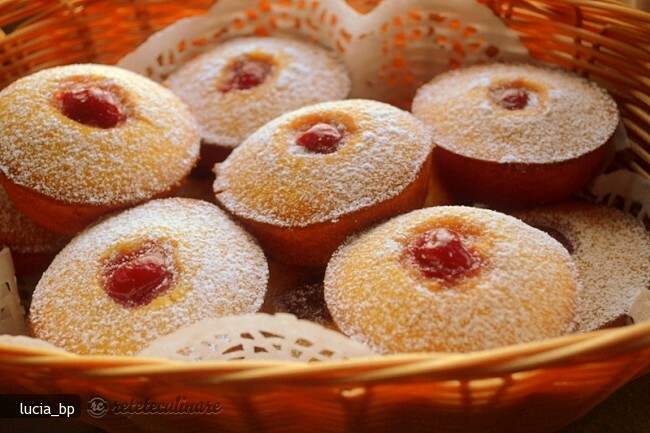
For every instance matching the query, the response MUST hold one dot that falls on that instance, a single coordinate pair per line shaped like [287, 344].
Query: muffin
[243, 83]
[516, 135]
[451, 279]
[79, 141]
[32, 246]
[611, 251]
[144, 273]
[307, 180]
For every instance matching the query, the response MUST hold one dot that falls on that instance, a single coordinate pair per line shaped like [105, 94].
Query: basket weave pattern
[484, 392]
[603, 40]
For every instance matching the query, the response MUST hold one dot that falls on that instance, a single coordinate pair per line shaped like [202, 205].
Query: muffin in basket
[144, 273]
[451, 279]
[243, 83]
[517, 135]
[32, 246]
[79, 141]
[611, 251]
[308, 179]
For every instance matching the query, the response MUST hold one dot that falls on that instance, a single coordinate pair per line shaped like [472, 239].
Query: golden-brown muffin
[451, 279]
[516, 135]
[243, 83]
[144, 273]
[611, 251]
[32, 246]
[79, 141]
[307, 180]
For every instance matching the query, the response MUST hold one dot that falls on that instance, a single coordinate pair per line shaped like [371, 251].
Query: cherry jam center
[441, 253]
[91, 106]
[134, 280]
[245, 73]
[511, 98]
[558, 236]
[321, 138]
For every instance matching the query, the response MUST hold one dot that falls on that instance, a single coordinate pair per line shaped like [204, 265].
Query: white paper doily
[12, 313]
[390, 52]
[280, 337]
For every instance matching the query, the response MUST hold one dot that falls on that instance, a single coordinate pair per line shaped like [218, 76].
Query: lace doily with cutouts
[390, 52]
[280, 337]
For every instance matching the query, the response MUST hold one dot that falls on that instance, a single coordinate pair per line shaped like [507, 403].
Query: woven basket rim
[560, 351]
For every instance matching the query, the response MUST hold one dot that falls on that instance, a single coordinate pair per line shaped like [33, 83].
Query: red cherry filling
[511, 98]
[320, 138]
[558, 236]
[245, 73]
[92, 106]
[442, 253]
[134, 280]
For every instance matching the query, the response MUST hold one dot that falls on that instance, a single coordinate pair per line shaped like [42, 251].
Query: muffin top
[324, 161]
[451, 279]
[243, 83]
[146, 272]
[611, 251]
[510, 113]
[141, 143]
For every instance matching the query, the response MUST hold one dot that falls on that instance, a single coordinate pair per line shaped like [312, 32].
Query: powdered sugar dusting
[568, 116]
[42, 149]
[218, 270]
[22, 235]
[611, 252]
[271, 179]
[303, 74]
[525, 289]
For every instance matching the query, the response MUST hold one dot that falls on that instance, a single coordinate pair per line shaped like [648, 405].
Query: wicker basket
[538, 387]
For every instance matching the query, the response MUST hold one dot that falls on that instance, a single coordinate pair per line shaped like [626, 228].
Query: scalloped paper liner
[12, 313]
[280, 337]
[390, 52]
